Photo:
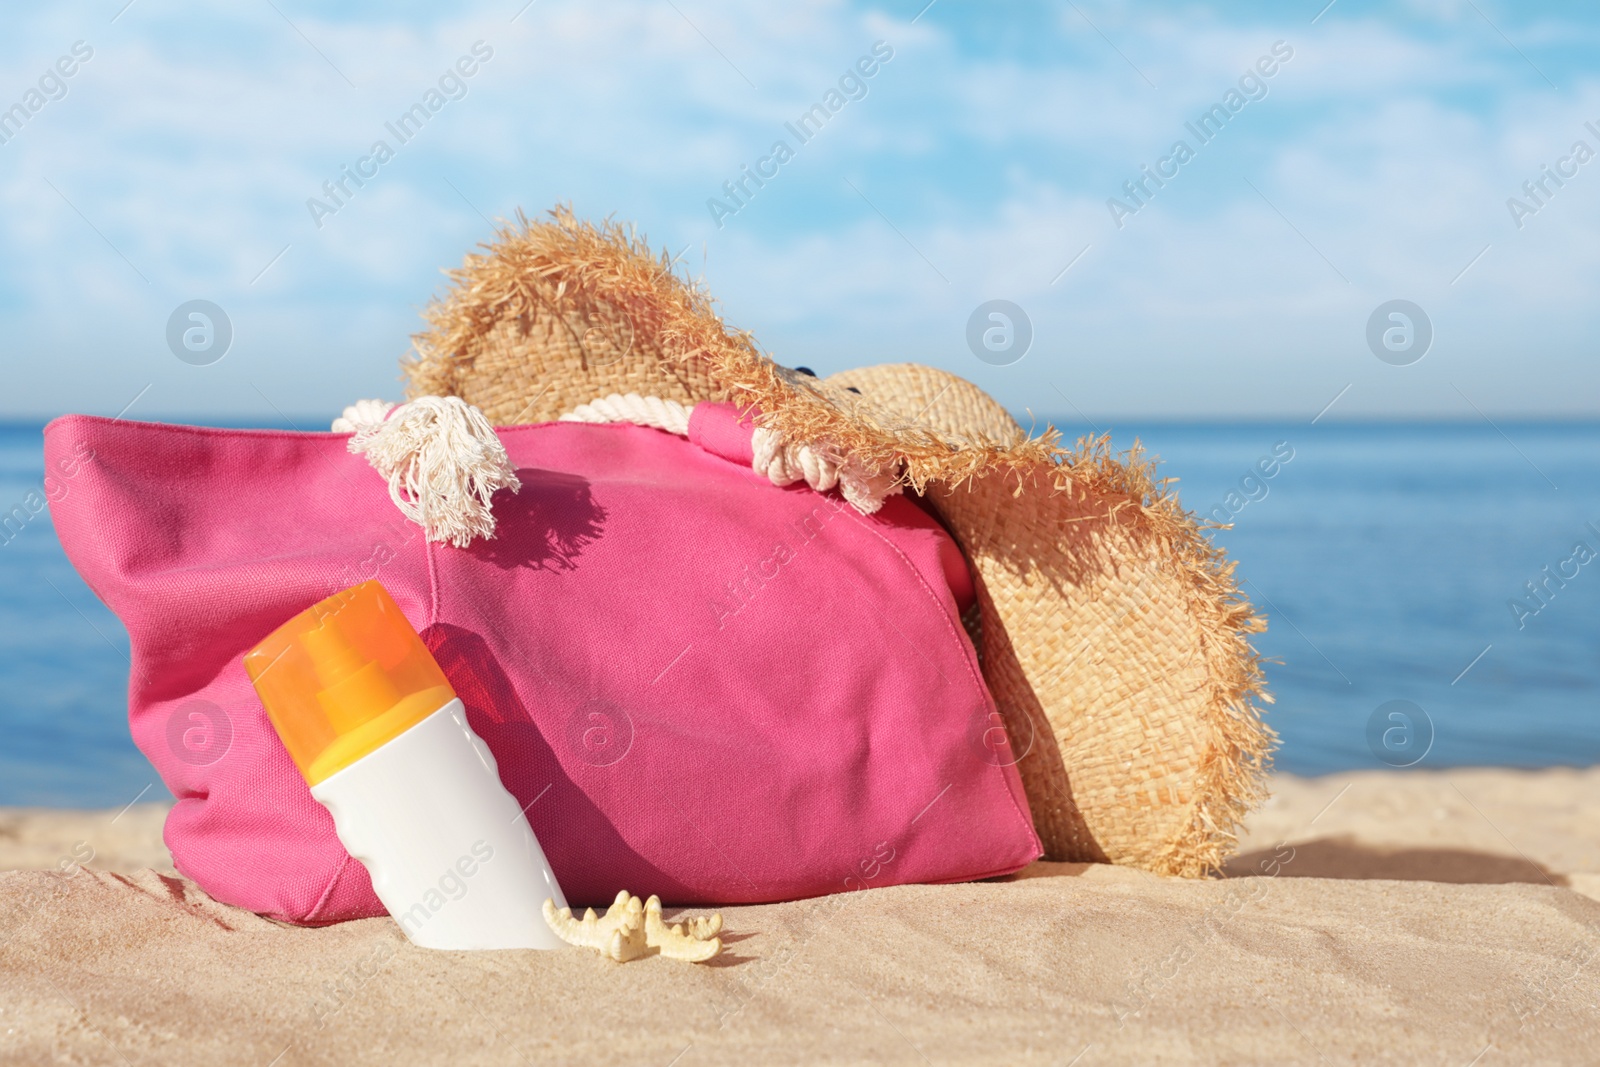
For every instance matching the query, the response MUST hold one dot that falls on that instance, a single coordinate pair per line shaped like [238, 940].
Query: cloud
[981, 160]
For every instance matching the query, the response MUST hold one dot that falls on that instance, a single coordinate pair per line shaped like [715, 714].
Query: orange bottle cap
[344, 676]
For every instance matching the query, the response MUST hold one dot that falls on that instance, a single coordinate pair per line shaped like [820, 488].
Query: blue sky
[978, 165]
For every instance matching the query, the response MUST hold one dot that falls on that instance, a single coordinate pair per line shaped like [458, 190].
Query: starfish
[632, 929]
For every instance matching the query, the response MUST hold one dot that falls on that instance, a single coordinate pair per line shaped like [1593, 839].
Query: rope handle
[819, 465]
[444, 463]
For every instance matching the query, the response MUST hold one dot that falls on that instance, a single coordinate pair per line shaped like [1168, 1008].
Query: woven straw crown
[1110, 630]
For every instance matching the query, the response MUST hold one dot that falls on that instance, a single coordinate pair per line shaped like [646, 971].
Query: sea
[1432, 592]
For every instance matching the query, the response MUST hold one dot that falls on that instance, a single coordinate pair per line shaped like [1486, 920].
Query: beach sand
[1417, 917]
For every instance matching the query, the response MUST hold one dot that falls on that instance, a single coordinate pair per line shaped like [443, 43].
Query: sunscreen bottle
[383, 741]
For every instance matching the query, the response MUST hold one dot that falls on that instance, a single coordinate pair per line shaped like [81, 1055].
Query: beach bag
[696, 683]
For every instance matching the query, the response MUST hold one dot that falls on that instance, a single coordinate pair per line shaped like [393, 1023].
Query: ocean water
[1387, 557]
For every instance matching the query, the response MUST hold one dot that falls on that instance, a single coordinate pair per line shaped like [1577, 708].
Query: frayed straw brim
[1111, 631]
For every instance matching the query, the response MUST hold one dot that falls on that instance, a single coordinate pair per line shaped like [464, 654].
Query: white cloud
[192, 142]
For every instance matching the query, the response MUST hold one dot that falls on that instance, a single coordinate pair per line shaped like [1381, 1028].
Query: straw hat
[1110, 630]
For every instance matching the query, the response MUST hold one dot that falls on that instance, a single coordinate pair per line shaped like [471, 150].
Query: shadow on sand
[1345, 857]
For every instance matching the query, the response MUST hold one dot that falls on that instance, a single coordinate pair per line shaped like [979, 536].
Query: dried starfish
[632, 928]
[701, 928]
[618, 936]
[696, 945]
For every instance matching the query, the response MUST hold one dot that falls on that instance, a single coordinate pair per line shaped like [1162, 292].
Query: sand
[1433, 917]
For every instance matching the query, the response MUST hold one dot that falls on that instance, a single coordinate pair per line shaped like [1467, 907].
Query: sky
[988, 157]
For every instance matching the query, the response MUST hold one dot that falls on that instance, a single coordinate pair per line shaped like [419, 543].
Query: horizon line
[301, 420]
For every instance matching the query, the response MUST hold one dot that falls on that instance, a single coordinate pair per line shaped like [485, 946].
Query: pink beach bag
[698, 684]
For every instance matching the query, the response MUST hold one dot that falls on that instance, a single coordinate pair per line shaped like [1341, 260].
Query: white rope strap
[819, 465]
[822, 468]
[362, 413]
[444, 463]
[652, 411]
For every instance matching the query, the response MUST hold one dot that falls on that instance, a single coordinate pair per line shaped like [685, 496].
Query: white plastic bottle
[383, 741]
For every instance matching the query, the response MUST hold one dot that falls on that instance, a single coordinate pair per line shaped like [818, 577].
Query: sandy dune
[1420, 918]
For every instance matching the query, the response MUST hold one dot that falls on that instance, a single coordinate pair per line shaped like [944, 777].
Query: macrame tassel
[441, 458]
[822, 468]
